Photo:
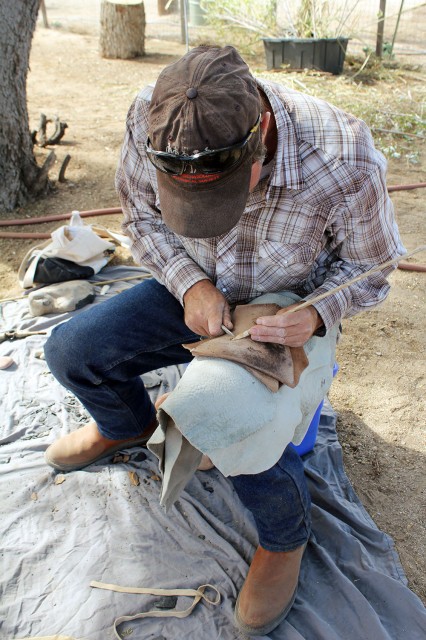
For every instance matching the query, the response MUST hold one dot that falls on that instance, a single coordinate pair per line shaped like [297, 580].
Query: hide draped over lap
[220, 409]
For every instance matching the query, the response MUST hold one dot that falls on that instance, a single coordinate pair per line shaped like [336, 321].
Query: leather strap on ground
[197, 594]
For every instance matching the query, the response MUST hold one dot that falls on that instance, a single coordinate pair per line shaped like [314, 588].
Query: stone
[6, 362]
[61, 297]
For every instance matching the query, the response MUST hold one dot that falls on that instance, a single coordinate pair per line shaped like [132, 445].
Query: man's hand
[293, 329]
[206, 309]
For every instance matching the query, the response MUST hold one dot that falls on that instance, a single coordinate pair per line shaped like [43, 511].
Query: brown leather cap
[206, 100]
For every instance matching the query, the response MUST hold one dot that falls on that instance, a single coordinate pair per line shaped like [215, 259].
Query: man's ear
[264, 125]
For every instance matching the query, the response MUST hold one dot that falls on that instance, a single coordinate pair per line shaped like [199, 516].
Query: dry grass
[389, 97]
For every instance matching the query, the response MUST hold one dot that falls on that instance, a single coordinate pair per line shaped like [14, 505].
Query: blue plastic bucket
[308, 441]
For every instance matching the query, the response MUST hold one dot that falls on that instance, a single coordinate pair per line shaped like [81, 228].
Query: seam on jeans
[305, 511]
[285, 548]
[134, 420]
[114, 392]
[137, 353]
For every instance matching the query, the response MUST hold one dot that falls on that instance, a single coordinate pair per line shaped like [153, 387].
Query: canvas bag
[75, 252]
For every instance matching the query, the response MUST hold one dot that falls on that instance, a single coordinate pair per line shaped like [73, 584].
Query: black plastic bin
[323, 54]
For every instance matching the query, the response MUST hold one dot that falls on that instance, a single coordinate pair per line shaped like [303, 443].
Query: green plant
[324, 18]
[253, 19]
[391, 100]
[241, 22]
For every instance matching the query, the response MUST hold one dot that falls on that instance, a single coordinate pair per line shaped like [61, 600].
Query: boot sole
[266, 628]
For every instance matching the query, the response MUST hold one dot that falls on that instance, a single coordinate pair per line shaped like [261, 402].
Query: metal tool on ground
[368, 273]
[17, 335]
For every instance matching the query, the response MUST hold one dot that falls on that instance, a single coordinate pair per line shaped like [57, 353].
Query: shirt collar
[288, 167]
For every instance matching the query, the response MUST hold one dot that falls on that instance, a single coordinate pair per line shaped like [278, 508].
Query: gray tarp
[97, 525]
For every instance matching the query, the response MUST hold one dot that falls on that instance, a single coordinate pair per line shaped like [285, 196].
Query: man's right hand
[206, 309]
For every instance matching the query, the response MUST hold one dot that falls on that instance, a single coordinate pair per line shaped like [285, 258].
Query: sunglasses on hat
[216, 161]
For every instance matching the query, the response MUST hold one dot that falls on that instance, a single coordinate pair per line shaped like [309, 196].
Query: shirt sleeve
[153, 245]
[366, 235]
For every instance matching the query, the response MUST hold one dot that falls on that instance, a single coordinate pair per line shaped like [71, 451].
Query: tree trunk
[19, 173]
[122, 29]
[380, 29]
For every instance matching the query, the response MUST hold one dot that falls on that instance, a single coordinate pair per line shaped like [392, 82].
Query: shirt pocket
[283, 265]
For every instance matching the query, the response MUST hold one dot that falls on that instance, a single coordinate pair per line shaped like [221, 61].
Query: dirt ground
[379, 393]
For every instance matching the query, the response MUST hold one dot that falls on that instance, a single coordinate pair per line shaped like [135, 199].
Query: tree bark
[122, 29]
[19, 173]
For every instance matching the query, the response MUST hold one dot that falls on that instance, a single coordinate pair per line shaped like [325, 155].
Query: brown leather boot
[80, 448]
[269, 590]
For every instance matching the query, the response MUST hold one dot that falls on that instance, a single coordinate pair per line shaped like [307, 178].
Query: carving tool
[226, 330]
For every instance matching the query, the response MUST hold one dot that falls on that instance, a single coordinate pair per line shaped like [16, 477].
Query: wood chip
[134, 478]
[155, 477]
[120, 457]
[377, 469]
[34, 496]
[60, 479]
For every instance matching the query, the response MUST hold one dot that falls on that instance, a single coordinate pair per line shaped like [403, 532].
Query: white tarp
[60, 532]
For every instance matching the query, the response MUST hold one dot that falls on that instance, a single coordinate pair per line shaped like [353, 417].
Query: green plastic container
[323, 54]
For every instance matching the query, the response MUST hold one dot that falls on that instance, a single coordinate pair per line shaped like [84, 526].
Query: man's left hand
[291, 329]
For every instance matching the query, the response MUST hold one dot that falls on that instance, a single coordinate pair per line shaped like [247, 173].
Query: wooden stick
[44, 14]
[138, 277]
[321, 296]
[65, 163]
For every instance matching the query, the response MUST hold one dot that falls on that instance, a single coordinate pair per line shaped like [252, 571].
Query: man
[231, 188]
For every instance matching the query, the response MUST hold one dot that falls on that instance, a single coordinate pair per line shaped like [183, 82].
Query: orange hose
[25, 236]
[116, 210]
[406, 187]
[412, 266]
[61, 216]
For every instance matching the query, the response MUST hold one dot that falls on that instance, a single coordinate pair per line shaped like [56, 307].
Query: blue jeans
[100, 354]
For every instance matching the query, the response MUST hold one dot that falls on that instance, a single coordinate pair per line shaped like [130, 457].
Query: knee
[60, 350]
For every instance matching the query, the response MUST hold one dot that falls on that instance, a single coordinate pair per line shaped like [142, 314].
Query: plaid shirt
[321, 217]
